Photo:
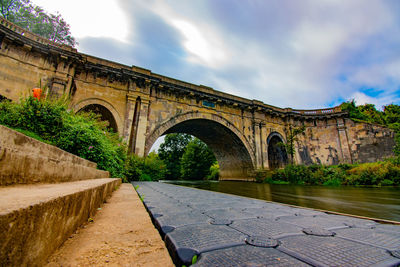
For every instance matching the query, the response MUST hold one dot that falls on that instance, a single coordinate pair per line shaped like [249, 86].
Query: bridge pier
[141, 127]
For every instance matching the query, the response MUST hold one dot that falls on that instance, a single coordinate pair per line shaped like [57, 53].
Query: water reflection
[383, 203]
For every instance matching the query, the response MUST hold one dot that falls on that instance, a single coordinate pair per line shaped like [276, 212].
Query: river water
[382, 203]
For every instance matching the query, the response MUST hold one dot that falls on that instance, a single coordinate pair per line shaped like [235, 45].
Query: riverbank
[382, 173]
[120, 234]
[214, 229]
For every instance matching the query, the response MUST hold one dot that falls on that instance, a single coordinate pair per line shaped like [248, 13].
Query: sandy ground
[121, 234]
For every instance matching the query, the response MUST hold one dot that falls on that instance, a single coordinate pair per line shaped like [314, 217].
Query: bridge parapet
[144, 77]
[17, 29]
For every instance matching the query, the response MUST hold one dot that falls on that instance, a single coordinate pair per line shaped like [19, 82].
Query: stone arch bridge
[142, 106]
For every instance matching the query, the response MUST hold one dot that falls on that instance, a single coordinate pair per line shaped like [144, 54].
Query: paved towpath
[215, 229]
[121, 235]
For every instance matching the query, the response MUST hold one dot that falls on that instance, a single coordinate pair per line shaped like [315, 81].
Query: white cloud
[379, 102]
[91, 18]
[292, 54]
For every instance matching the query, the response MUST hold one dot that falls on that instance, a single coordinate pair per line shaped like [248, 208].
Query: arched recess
[232, 150]
[277, 156]
[105, 109]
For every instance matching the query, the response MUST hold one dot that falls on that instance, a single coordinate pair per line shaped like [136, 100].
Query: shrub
[150, 168]
[295, 174]
[333, 182]
[83, 135]
[154, 167]
[214, 172]
[377, 173]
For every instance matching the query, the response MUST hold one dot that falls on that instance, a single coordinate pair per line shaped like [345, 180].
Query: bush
[80, 134]
[368, 173]
[333, 182]
[214, 172]
[377, 173]
[295, 174]
[150, 168]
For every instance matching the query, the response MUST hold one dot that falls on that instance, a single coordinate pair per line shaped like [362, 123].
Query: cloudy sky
[287, 53]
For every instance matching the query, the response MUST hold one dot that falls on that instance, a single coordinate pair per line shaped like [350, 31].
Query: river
[382, 202]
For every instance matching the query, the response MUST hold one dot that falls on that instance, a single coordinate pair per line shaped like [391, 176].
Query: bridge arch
[102, 107]
[231, 148]
[277, 156]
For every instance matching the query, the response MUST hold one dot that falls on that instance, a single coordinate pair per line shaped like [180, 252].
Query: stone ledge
[36, 219]
[24, 160]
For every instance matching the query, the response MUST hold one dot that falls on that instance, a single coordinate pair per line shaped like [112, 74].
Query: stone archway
[106, 110]
[105, 115]
[277, 156]
[232, 150]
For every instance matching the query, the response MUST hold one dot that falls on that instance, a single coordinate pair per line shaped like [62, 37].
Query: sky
[302, 54]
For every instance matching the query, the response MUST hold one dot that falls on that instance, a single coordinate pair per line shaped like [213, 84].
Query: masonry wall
[24, 160]
[146, 105]
[331, 142]
[369, 142]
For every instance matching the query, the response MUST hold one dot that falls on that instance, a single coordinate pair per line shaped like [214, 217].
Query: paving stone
[267, 213]
[220, 222]
[229, 214]
[388, 227]
[176, 220]
[352, 221]
[214, 227]
[395, 253]
[195, 239]
[317, 231]
[313, 221]
[334, 251]
[374, 237]
[262, 241]
[246, 256]
[265, 227]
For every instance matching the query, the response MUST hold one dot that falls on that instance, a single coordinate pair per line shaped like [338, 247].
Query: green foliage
[196, 160]
[292, 137]
[214, 172]
[150, 168]
[194, 259]
[377, 173]
[83, 135]
[171, 152]
[33, 18]
[353, 111]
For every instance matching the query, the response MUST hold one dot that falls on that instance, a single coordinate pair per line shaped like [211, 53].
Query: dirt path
[121, 234]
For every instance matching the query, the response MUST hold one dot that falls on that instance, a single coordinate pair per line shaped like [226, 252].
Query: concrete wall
[24, 160]
[33, 227]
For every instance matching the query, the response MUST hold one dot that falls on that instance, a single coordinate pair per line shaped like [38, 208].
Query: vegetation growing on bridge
[389, 117]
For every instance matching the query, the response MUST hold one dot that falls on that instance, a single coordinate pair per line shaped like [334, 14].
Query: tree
[353, 110]
[197, 160]
[291, 138]
[391, 114]
[33, 18]
[371, 113]
[171, 151]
